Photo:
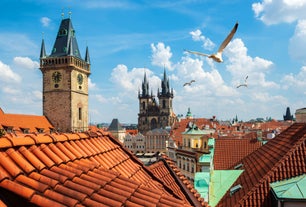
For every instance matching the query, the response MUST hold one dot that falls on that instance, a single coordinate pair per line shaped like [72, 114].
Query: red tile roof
[22, 121]
[229, 151]
[81, 169]
[165, 168]
[281, 158]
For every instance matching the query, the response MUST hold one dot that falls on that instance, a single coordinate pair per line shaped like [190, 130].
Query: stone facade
[65, 82]
[155, 113]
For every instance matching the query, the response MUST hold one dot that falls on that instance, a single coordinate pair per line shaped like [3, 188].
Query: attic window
[234, 189]
[25, 130]
[8, 129]
[238, 166]
[62, 32]
[40, 130]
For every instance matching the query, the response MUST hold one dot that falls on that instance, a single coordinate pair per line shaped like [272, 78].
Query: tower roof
[65, 43]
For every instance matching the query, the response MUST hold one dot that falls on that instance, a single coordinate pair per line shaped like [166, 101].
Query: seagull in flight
[245, 84]
[189, 83]
[218, 56]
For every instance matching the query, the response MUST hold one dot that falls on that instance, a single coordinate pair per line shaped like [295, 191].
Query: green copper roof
[211, 142]
[207, 157]
[201, 183]
[193, 129]
[220, 182]
[294, 188]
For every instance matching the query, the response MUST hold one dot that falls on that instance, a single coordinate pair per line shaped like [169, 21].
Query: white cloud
[161, 55]
[297, 82]
[7, 74]
[45, 21]
[25, 62]
[207, 43]
[297, 42]
[130, 81]
[278, 11]
[91, 85]
[240, 64]
[37, 94]
[100, 98]
[10, 90]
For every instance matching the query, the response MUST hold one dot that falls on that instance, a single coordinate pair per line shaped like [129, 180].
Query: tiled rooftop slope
[169, 173]
[281, 158]
[81, 169]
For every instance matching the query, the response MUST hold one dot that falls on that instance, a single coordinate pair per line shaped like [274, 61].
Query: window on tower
[80, 113]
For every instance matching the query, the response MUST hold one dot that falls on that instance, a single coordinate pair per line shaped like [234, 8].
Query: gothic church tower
[153, 114]
[65, 81]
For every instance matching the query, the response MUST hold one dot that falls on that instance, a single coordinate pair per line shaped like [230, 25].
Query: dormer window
[8, 129]
[40, 130]
[25, 130]
[62, 32]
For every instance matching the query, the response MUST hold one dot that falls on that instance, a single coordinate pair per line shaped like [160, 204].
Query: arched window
[143, 105]
[164, 104]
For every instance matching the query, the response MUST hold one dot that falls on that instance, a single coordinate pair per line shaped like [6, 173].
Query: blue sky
[127, 38]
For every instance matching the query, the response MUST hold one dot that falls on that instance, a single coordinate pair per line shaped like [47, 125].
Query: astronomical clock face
[80, 78]
[56, 77]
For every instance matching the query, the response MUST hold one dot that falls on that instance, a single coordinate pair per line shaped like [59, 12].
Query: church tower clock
[65, 81]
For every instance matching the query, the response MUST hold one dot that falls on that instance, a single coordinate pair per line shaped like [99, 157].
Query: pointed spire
[42, 49]
[65, 43]
[87, 59]
[145, 86]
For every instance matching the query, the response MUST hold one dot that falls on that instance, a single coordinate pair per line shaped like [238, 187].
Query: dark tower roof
[115, 125]
[66, 43]
[145, 86]
[165, 88]
[288, 116]
[42, 49]
[87, 59]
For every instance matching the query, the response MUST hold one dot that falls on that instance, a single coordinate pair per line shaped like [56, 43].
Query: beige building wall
[300, 115]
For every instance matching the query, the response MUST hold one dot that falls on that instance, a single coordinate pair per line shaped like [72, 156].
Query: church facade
[152, 113]
[65, 81]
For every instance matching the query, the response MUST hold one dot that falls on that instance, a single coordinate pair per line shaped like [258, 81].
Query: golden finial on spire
[62, 14]
[69, 14]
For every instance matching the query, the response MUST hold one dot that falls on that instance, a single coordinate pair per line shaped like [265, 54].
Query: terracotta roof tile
[32, 183]
[281, 158]
[32, 158]
[229, 151]
[43, 201]
[18, 121]
[20, 161]
[79, 170]
[44, 179]
[61, 198]
[17, 188]
[41, 156]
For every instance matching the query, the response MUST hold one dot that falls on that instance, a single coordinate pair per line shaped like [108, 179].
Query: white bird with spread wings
[218, 56]
[245, 84]
[189, 83]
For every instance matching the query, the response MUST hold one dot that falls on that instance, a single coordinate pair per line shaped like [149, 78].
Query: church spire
[66, 43]
[42, 49]
[145, 86]
[87, 59]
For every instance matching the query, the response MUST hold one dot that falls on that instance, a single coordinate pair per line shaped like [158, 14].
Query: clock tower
[65, 81]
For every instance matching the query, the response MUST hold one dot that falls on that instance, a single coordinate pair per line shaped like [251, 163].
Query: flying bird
[218, 56]
[189, 83]
[245, 84]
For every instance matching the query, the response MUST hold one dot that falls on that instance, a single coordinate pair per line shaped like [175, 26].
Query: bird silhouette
[189, 83]
[245, 84]
[218, 56]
